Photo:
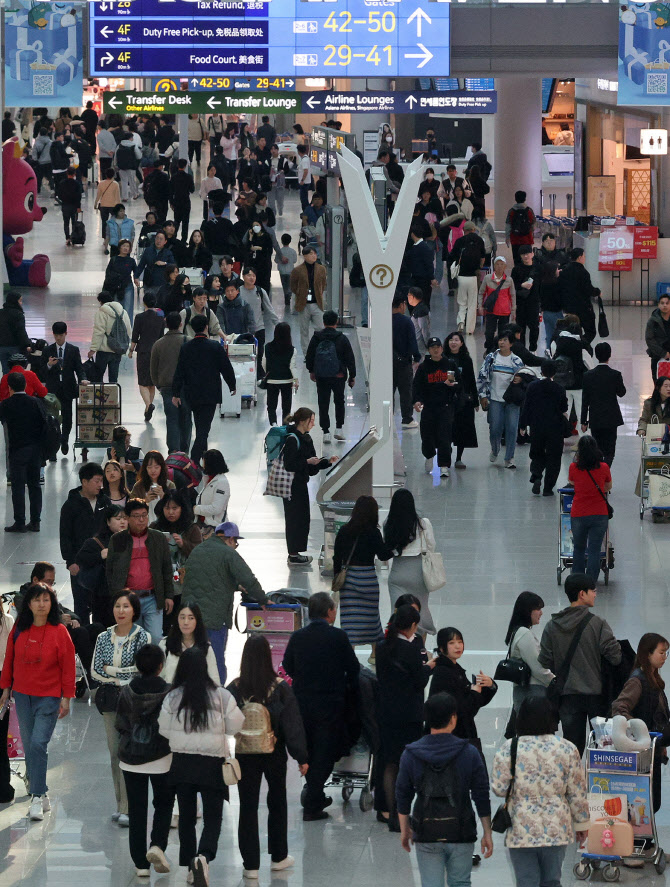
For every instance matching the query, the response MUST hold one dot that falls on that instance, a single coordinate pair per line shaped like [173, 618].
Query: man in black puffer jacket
[577, 293]
[329, 361]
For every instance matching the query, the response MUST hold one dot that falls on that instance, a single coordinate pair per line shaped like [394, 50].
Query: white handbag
[432, 567]
[659, 488]
[654, 435]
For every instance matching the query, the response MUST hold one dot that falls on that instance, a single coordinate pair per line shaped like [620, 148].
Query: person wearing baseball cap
[433, 394]
[214, 572]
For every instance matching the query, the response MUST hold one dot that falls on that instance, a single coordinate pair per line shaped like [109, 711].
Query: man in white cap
[214, 572]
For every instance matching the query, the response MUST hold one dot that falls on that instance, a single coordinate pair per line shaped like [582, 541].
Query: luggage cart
[565, 547]
[354, 772]
[277, 622]
[630, 774]
[652, 461]
[98, 410]
[656, 482]
[242, 356]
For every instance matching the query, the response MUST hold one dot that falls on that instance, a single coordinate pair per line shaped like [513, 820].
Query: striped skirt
[359, 606]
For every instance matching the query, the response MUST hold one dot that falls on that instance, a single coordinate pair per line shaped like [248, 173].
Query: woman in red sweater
[591, 478]
[39, 671]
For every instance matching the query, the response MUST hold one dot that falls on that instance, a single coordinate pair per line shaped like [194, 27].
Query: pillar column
[517, 156]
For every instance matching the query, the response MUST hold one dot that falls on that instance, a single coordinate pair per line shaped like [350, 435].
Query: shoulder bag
[515, 670]
[489, 302]
[341, 576]
[432, 567]
[280, 480]
[610, 510]
[555, 688]
[603, 326]
[107, 698]
[501, 818]
[230, 769]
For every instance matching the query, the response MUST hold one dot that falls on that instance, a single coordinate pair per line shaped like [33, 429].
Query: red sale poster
[615, 252]
[646, 242]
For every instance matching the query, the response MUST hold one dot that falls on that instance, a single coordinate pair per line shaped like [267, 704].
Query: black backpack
[326, 361]
[442, 811]
[125, 157]
[486, 170]
[520, 221]
[565, 374]
[115, 282]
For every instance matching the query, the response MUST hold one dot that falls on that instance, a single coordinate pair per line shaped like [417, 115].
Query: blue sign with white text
[299, 38]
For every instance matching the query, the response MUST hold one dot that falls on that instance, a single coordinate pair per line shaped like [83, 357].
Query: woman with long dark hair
[196, 717]
[188, 630]
[643, 696]
[280, 372]
[152, 481]
[211, 506]
[258, 684]
[174, 518]
[300, 457]
[402, 677]
[407, 535]
[197, 254]
[357, 544]
[91, 559]
[463, 430]
[114, 483]
[39, 672]
[174, 294]
[6, 788]
[524, 645]
[657, 407]
[591, 478]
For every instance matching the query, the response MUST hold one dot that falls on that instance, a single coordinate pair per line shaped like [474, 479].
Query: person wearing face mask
[199, 307]
[430, 183]
[259, 250]
[386, 136]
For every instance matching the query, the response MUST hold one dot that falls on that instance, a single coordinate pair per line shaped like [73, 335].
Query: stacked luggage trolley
[242, 355]
[654, 482]
[627, 830]
[98, 411]
[565, 543]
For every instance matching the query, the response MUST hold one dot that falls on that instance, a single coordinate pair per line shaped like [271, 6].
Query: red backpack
[185, 467]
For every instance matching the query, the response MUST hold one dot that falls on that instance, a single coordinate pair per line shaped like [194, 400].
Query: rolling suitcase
[78, 237]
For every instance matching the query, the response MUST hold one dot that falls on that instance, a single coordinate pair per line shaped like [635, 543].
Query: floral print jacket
[548, 801]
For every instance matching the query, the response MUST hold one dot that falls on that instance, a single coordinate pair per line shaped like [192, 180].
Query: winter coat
[224, 719]
[42, 150]
[78, 522]
[421, 321]
[103, 323]
[264, 314]
[120, 664]
[506, 302]
[164, 357]
[641, 699]
[300, 285]
[526, 646]
[154, 274]
[160, 563]
[548, 802]
[200, 365]
[656, 337]
[196, 131]
[571, 346]
[343, 348]
[13, 326]
[238, 316]
[585, 675]
[139, 704]
[450, 677]
[660, 413]
[577, 291]
[213, 498]
[172, 661]
[213, 573]
[429, 386]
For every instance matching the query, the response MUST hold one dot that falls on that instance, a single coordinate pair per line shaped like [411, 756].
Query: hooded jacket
[224, 719]
[571, 345]
[429, 386]
[436, 750]
[103, 323]
[585, 675]
[343, 348]
[79, 522]
[656, 337]
[41, 152]
[13, 324]
[238, 316]
[140, 704]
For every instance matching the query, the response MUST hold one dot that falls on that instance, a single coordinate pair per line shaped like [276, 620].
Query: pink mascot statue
[19, 211]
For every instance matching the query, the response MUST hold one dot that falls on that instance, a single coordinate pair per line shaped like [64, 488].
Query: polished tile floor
[496, 537]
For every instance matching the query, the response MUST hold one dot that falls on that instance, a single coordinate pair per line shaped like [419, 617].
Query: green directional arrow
[128, 102]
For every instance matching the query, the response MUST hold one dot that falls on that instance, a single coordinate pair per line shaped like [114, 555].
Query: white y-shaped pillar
[381, 256]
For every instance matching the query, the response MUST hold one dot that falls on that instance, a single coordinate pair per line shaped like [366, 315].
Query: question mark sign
[381, 274]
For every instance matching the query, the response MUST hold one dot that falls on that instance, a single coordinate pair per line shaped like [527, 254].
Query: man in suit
[602, 386]
[450, 182]
[64, 371]
[544, 408]
[201, 363]
[323, 665]
[25, 425]
[420, 259]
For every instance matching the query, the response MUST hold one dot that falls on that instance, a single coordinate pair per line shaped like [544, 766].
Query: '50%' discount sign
[619, 246]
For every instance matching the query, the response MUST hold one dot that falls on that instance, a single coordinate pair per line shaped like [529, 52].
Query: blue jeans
[588, 533]
[6, 352]
[434, 859]
[503, 417]
[218, 638]
[537, 866]
[365, 316]
[550, 319]
[151, 618]
[177, 422]
[108, 360]
[129, 300]
[304, 195]
[37, 718]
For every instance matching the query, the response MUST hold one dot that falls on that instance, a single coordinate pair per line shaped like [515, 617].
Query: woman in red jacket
[39, 671]
[497, 317]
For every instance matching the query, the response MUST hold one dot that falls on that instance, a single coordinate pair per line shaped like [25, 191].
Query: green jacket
[213, 573]
[118, 564]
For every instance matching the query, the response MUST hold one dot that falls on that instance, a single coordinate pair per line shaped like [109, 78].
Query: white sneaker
[284, 864]
[339, 435]
[115, 816]
[123, 820]
[326, 438]
[444, 472]
[492, 456]
[250, 874]
[35, 813]
[429, 466]
[158, 859]
[46, 803]
[412, 424]
[143, 873]
[509, 463]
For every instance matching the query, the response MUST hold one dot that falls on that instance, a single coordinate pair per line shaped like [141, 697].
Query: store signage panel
[291, 38]
[645, 245]
[615, 251]
[201, 102]
[644, 55]
[416, 102]
[208, 83]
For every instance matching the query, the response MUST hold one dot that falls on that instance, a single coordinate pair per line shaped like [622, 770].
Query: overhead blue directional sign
[298, 38]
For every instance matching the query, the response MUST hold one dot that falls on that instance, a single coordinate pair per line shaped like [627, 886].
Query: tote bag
[279, 479]
[432, 567]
